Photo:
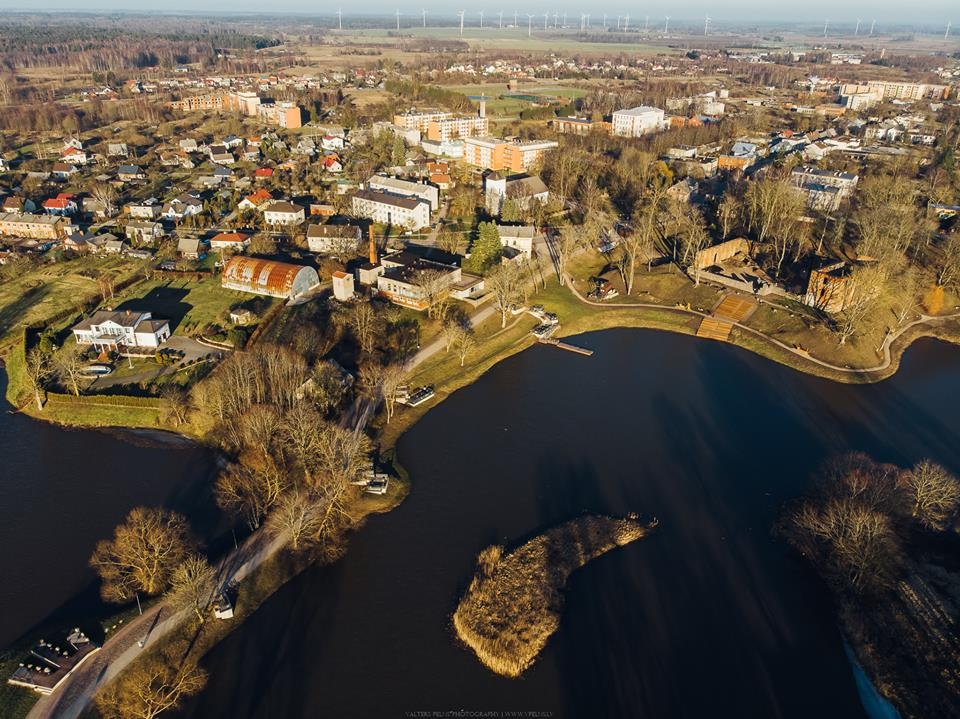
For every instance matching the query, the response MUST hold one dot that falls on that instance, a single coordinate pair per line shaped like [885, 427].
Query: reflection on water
[709, 616]
[62, 491]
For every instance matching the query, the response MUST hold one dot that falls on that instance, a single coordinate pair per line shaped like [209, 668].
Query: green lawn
[38, 295]
[188, 304]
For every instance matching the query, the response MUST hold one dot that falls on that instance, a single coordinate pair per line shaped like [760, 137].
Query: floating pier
[568, 347]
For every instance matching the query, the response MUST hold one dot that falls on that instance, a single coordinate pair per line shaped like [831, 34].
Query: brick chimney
[373, 248]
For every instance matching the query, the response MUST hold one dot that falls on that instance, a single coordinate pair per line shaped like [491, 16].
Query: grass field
[190, 305]
[508, 106]
[37, 294]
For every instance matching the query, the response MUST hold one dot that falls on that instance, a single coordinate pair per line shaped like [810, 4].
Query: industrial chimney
[373, 248]
[483, 106]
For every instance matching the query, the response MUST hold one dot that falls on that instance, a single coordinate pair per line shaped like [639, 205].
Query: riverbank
[513, 604]
[579, 316]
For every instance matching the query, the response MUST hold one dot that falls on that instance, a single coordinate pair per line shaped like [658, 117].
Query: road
[438, 344]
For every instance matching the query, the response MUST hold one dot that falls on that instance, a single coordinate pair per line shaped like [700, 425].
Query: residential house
[130, 173]
[263, 173]
[144, 231]
[255, 201]
[74, 156]
[35, 227]
[825, 189]
[332, 142]
[121, 331]
[148, 210]
[283, 213]
[522, 189]
[220, 155]
[190, 248]
[189, 145]
[117, 149]
[17, 204]
[332, 163]
[181, 206]
[63, 204]
[63, 170]
[237, 241]
[114, 247]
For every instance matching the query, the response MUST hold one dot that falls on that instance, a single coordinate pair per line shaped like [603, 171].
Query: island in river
[513, 604]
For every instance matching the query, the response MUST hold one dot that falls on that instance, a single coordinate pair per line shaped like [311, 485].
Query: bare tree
[465, 344]
[905, 289]
[37, 371]
[364, 322]
[151, 686]
[247, 490]
[341, 455]
[729, 214]
[143, 553]
[298, 516]
[506, 287]
[106, 195]
[192, 585]
[947, 260]
[434, 284]
[451, 332]
[934, 494]
[564, 244]
[867, 283]
[299, 431]
[178, 403]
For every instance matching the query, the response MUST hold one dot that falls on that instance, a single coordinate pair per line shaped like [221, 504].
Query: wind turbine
[481, 19]
[583, 22]
[398, 18]
[666, 25]
[856, 32]
[706, 25]
[825, 24]
[529, 24]
[588, 21]
[501, 19]
[646, 24]
[424, 17]
[872, 24]
[340, 19]
[555, 18]
[461, 22]
[947, 33]
[514, 18]
[626, 21]
[564, 26]
[618, 21]
[546, 17]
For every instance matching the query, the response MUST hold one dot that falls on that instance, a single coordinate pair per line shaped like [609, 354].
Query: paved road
[69, 701]
[438, 344]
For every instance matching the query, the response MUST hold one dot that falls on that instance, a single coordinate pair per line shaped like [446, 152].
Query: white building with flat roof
[391, 209]
[638, 121]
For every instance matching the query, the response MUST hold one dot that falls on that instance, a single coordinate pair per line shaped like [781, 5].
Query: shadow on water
[711, 615]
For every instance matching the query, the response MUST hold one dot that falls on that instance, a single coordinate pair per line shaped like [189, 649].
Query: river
[62, 491]
[712, 615]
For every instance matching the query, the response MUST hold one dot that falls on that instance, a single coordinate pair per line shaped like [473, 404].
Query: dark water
[711, 616]
[61, 491]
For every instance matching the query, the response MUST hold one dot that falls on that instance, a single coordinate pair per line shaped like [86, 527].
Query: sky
[924, 12]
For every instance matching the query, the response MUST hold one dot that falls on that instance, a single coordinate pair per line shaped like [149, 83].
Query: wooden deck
[735, 308]
[564, 346]
[715, 329]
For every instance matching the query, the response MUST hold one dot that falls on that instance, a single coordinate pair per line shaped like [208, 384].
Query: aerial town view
[465, 361]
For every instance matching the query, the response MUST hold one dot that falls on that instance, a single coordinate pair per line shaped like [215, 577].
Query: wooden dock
[568, 347]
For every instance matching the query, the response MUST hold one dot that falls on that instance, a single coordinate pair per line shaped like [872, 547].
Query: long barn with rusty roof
[266, 277]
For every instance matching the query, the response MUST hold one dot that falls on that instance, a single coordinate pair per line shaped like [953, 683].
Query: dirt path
[884, 350]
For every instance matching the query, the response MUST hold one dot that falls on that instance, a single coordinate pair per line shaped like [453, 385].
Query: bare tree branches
[143, 553]
[934, 494]
[151, 686]
[192, 585]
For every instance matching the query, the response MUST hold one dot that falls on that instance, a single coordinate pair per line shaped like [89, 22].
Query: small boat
[377, 486]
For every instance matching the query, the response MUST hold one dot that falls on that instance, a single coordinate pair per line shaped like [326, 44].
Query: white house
[638, 121]
[391, 209]
[182, 206]
[519, 238]
[144, 231]
[149, 210]
[283, 213]
[121, 330]
[522, 189]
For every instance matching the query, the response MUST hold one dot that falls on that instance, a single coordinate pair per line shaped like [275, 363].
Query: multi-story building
[825, 189]
[392, 209]
[495, 154]
[402, 280]
[34, 227]
[425, 192]
[452, 128]
[898, 90]
[638, 121]
[579, 125]
[413, 120]
[247, 103]
[121, 330]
